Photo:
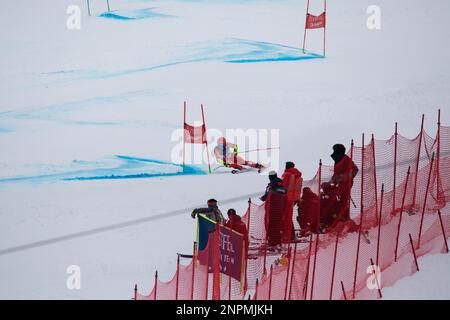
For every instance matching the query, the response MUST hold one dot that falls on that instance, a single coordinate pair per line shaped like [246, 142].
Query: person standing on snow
[345, 171]
[212, 212]
[275, 184]
[235, 223]
[308, 213]
[226, 153]
[292, 181]
[276, 208]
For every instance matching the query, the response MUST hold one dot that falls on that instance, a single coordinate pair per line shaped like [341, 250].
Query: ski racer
[226, 153]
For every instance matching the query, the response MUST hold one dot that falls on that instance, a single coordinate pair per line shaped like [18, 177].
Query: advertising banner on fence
[230, 246]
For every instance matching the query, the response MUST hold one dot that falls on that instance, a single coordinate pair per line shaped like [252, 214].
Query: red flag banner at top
[194, 134]
[315, 22]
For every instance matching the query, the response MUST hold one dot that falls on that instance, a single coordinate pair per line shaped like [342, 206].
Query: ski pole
[255, 150]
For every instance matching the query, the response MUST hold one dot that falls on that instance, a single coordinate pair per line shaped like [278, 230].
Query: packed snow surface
[87, 117]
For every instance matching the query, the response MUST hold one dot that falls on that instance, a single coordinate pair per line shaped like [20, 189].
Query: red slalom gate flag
[315, 22]
[194, 134]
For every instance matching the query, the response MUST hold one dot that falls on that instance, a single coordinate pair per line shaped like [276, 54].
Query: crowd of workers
[316, 213]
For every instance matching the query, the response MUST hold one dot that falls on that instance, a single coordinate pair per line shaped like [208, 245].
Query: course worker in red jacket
[292, 182]
[309, 212]
[345, 171]
[235, 223]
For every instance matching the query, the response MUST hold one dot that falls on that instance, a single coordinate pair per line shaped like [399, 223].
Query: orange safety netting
[398, 210]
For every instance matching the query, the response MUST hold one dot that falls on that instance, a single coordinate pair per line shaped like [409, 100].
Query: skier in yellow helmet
[226, 153]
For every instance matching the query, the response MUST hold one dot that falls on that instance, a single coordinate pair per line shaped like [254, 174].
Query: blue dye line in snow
[143, 168]
[285, 58]
[133, 14]
[229, 50]
[187, 170]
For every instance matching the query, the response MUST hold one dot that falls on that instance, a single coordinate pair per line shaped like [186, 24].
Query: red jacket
[235, 223]
[308, 211]
[344, 172]
[292, 181]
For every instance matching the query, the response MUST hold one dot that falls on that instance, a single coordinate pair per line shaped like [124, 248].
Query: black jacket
[276, 184]
[211, 212]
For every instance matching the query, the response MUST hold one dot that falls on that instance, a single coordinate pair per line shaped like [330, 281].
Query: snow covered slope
[72, 100]
[431, 282]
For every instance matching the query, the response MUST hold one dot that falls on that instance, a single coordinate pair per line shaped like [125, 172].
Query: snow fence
[399, 199]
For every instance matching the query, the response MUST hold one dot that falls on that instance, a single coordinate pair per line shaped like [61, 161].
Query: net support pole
[401, 213]
[265, 255]
[306, 19]
[352, 144]
[266, 240]
[413, 251]
[305, 293]
[360, 218]
[206, 137]
[229, 287]
[207, 271]
[325, 26]
[343, 290]
[286, 284]
[270, 283]
[256, 289]
[394, 186]
[374, 272]
[375, 174]
[156, 285]
[229, 278]
[318, 193]
[425, 201]
[184, 135]
[216, 264]
[314, 266]
[135, 292]
[178, 278]
[88, 7]
[379, 225]
[334, 264]
[443, 231]
[107, 4]
[194, 263]
[416, 172]
[292, 270]
[438, 156]
[248, 244]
